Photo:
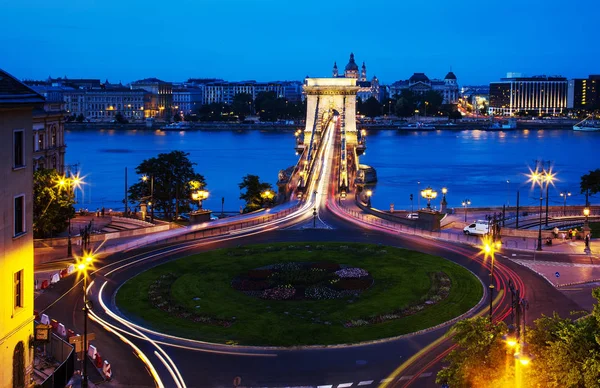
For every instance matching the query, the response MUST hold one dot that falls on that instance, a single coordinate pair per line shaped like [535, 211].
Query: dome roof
[418, 77]
[351, 64]
[450, 75]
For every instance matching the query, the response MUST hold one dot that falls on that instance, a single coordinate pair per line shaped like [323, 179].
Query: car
[412, 216]
[183, 217]
[213, 218]
[481, 227]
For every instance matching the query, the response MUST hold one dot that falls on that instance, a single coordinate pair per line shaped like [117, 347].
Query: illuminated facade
[224, 91]
[160, 103]
[49, 133]
[584, 93]
[17, 103]
[419, 83]
[366, 89]
[540, 94]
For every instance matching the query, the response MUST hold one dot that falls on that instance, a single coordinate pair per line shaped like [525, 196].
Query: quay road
[147, 358]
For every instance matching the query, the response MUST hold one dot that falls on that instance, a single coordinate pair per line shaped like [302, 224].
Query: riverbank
[212, 126]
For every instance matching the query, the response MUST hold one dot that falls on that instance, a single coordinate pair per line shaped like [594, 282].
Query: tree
[52, 203]
[242, 105]
[480, 352]
[120, 118]
[371, 108]
[80, 118]
[406, 104]
[173, 178]
[254, 188]
[590, 183]
[454, 114]
[431, 102]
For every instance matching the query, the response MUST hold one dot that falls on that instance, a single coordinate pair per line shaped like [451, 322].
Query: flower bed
[298, 281]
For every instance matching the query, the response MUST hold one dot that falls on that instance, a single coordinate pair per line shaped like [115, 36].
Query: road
[142, 357]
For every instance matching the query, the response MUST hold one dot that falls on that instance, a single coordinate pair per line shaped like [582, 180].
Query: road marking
[325, 386]
[367, 382]
[383, 381]
[426, 374]
[405, 378]
[345, 385]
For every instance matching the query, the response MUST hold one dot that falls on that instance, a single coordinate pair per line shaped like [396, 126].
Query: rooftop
[13, 91]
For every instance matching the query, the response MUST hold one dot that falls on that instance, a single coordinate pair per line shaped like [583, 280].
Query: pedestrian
[563, 235]
[570, 233]
[574, 234]
[587, 240]
[556, 232]
[103, 211]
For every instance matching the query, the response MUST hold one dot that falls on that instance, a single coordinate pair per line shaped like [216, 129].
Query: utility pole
[314, 217]
[125, 198]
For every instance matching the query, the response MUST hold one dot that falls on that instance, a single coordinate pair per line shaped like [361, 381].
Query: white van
[478, 227]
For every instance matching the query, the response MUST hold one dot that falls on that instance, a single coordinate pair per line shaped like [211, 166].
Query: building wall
[49, 138]
[16, 252]
[544, 95]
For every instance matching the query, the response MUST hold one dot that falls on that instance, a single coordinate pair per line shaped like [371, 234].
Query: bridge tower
[323, 94]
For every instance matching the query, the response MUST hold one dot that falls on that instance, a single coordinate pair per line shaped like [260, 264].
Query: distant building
[367, 89]
[541, 94]
[419, 83]
[224, 91]
[186, 99]
[584, 93]
[17, 102]
[161, 97]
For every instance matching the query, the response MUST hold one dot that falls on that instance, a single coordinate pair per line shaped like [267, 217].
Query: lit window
[18, 289]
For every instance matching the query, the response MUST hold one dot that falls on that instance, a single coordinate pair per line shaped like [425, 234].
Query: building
[367, 89]
[49, 130]
[186, 99]
[224, 91]
[419, 83]
[17, 102]
[540, 94]
[160, 103]
[584, 93]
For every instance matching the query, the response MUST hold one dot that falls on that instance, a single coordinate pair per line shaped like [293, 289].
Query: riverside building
[540, 94]
[17, 102]
[419, 83]
[366, 88]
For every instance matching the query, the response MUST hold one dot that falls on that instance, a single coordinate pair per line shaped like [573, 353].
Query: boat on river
[418, 126]
[180, 126]
[587, 125]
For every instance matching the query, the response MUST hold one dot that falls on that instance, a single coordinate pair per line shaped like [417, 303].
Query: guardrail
[58, 349]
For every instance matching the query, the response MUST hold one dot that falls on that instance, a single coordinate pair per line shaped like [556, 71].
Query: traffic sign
[557, 274]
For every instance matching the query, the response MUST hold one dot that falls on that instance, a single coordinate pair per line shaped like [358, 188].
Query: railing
[58, 349]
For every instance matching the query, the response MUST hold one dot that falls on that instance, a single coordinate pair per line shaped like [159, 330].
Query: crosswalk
[363, 383]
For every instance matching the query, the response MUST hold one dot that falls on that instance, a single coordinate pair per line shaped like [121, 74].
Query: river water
[472, 164]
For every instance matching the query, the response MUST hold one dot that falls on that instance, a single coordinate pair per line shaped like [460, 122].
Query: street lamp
[82, 267]
[565, 194]
[466, 204]
[199, 195]
[429, 194]
[151, 202]
[541, 178]
[586, 213]
[267, 196]
[74, 181]
[490, 248]
[369, 194]
[443, 204]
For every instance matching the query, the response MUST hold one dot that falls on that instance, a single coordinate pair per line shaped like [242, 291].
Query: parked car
[412, 216]
[480, 227]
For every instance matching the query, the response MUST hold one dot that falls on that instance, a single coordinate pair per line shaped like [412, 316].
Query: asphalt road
[180, 362]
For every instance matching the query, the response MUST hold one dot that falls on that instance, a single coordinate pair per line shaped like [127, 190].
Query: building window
[18, 148]
[18, 289]
[19, 216]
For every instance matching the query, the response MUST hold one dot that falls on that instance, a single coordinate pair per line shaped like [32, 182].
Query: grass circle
[193, 297]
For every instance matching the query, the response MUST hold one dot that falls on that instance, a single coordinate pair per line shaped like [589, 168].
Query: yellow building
[17, 102]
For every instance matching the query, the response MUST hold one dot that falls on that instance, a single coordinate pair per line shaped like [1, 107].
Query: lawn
[201, 285]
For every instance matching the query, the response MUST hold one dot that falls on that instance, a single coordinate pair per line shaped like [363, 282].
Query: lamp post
[508, 191]
[369, 194]
[418, 197]
[541, 178]
[267, 196]
[444, 203]
[82, 267]
[466, 204]
[199, 195]
[151, 203]
[70, 184]
[565, 194]
[490, 248]
[429, 194]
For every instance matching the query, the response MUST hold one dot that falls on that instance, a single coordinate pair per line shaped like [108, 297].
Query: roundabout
[299, 294]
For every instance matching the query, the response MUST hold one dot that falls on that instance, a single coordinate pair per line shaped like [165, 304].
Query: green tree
[80, 118]
[173, 178]
[480, 353]
[254, 188]
[371, 108]
[119, 118]
[406, 104]
[590, 183]
[431, 102]
[242, 105]
[52, 203]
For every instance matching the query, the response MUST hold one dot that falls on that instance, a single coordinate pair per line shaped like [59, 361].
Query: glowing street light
[199, 195]
[542, 178]
[82, 265]
[429, 194]
[489, 249]
[70, 183]
[565, 194]
[267, 196]
[151, 202]
[466, 204]
[369, 193]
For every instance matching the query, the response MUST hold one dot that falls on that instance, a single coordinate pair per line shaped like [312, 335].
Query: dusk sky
[287, 40]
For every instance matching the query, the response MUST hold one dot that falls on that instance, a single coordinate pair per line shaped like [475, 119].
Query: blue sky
[281, 39]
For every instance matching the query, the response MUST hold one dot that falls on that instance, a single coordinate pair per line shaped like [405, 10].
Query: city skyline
[480, 44]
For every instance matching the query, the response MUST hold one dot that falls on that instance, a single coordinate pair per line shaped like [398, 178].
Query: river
[472, 164]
